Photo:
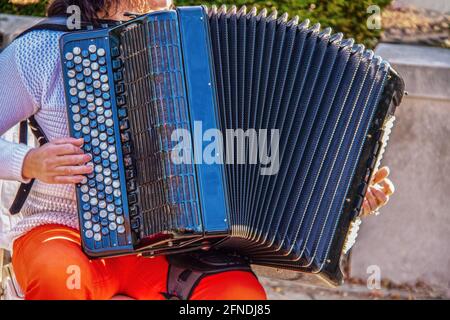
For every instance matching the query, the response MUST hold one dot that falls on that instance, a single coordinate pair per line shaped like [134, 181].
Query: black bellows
[329, 100]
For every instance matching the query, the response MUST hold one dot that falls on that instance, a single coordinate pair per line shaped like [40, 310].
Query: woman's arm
[61, 160]
[16, 105]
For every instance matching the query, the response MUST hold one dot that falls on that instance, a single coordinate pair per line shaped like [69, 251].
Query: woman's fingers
[68, 179]
[69, 140]
[381, 174]
[73, 160]
[387, 186]
[365, 208]
[74, 170]
[372, 200]
[66, 149]
[380, 197]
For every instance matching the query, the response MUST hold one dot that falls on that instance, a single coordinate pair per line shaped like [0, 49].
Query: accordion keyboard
[92, 116]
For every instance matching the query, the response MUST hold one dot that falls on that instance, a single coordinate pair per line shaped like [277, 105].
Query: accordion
[226, 129]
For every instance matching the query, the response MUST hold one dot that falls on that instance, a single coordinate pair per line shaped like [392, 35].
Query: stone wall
[410, 240]
[11, 25]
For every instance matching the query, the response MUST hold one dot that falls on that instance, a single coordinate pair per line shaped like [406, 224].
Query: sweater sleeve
[16, 104]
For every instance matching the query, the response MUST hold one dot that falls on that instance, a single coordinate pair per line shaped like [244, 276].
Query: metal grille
[154, 84]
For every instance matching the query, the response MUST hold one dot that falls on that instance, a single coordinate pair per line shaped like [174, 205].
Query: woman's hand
[59, 162]
[378, 193]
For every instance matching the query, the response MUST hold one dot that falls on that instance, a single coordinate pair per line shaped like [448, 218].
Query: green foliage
[37, 9]
[346, 16]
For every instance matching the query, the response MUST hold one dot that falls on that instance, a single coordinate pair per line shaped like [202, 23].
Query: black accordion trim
[389, 101]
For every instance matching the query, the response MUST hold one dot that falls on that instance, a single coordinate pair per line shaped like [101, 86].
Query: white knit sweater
[31, 83]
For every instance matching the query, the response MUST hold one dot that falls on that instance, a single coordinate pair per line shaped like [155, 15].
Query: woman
[47, 256]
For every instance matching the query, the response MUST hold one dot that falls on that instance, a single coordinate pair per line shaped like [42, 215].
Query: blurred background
[405, 252]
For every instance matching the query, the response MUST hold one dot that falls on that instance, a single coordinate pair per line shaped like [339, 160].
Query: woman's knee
[231, 285]
[52, 268]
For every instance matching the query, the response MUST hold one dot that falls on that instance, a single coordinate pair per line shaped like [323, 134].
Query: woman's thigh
[147, 280]
[50, 264]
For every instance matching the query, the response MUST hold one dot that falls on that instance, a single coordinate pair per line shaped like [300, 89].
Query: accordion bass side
[226, 129]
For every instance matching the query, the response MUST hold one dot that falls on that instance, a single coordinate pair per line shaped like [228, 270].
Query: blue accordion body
[135, 91]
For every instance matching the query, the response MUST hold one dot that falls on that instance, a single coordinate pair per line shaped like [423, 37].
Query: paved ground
[354, 289]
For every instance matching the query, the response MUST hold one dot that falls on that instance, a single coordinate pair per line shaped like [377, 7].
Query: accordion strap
[186, 271]
[59, 23]
[25, 188]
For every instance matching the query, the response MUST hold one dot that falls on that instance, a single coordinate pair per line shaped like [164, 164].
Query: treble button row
[92, 119]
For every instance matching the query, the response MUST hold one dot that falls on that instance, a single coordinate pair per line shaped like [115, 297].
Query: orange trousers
[49, 264]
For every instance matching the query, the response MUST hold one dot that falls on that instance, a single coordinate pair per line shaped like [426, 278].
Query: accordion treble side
[226, 129]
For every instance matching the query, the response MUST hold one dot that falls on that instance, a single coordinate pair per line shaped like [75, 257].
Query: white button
[92, 48]
[97, 84]
[112, 226]
[108, 181]
[101, 52]
[87, 216]
[84, 188]
[105, 87]
[94, 133]
[81, 86]
[88, 224]
[69, 56]
[82, 94]
[76, 117]
[87, 72]
[85, 121]
[75, 109]
[120, 220]
[76, 50]
[102, 204]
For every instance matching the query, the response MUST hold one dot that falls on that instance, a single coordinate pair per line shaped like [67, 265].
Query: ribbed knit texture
[31, 83]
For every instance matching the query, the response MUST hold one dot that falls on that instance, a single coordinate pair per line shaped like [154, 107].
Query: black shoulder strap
[59, 23]
[187, 270]
[55, 24]
[25, 188]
